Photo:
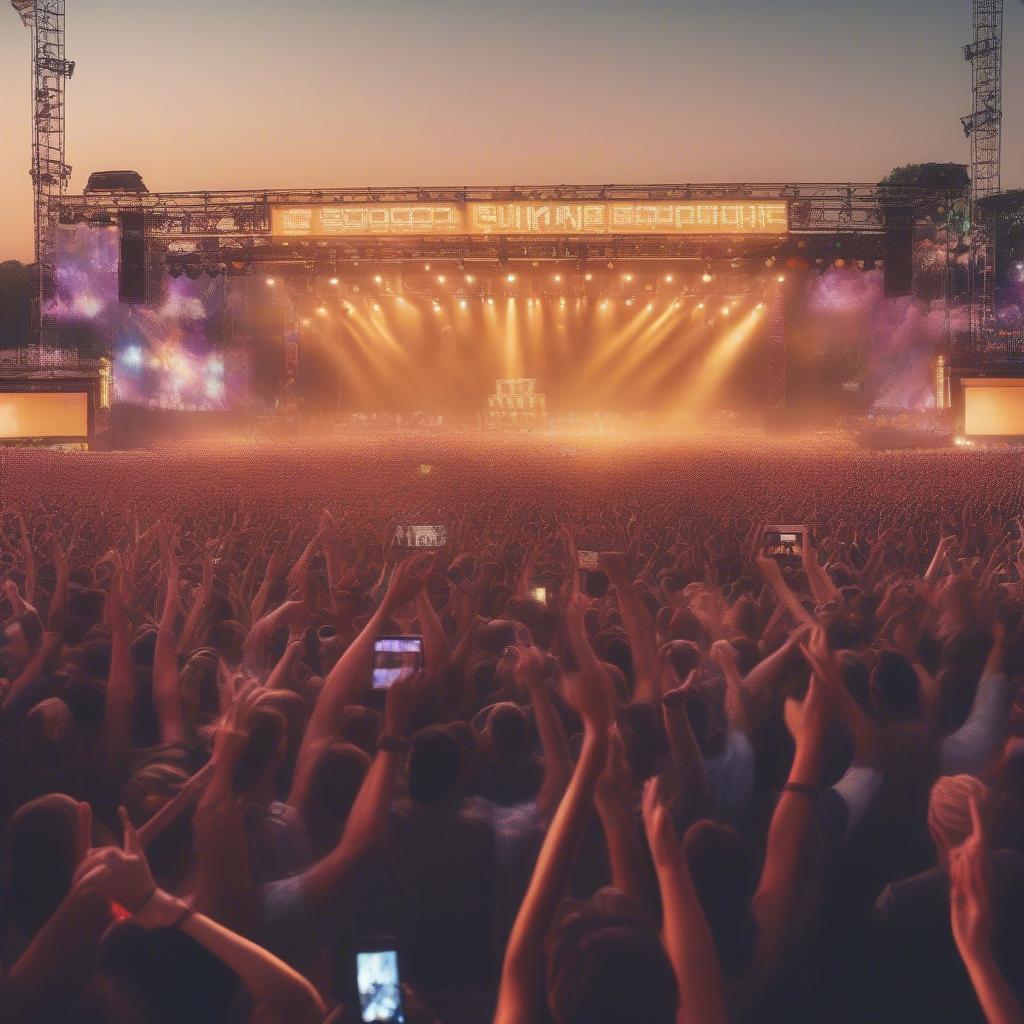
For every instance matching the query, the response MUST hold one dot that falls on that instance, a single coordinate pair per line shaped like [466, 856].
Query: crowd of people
[644, 773]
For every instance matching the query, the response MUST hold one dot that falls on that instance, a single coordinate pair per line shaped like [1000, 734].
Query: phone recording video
[426, 537]
[394, 658]
[380, 988]
[539, 594]
[784, 543]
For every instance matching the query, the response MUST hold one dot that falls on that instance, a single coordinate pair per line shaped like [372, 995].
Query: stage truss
[219, 229]
[50, 174]
[983, 126]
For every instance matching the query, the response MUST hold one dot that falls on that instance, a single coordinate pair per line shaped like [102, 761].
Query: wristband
[185, 914]
[389, 744]
[801, 789]
[145, 903]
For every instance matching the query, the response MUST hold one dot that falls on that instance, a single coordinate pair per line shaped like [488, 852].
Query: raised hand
[970, 889]
[409, 578]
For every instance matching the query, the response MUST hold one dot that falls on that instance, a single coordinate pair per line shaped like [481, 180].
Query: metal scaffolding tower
[983, 127]
[50, 174]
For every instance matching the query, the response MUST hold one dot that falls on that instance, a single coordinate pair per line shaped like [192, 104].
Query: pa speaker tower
[131, 263]
[899, 250]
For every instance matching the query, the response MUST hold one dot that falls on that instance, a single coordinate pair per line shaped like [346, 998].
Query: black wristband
[801, 789]
[389, 744]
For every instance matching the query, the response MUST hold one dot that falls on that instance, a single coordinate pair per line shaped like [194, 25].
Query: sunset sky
[323, 92]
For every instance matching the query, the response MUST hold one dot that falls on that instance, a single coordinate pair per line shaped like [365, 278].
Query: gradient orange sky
[323, 92]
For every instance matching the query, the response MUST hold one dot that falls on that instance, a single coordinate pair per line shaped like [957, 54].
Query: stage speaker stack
[131, 261]
[899, 250]
[516, 403]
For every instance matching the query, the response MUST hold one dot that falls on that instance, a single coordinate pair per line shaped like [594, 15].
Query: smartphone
[539, 594]
[395, 657]
[421, 536]
[784, 543]
[379, 982]
[588, 560]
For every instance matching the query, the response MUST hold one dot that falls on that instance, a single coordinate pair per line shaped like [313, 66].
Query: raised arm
[522, 971]
[968, 750]
[366, 828]
[351, 673]
[636, 617]
[280, 993]
[166, 691]
[117, 712]
[58, 603]
[971, 912]
[529, 671]
[687, 937]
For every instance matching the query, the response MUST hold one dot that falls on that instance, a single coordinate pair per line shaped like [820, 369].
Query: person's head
[164, 977]
[723, 875]
[894, 686]
[507, 731]
[46, 841]
[338, 772]
[494, 636]
[949, 810]
[642, 736]
[681, 657]
[198, 684]
[607, 965]
[433, 764]
[361, 726]
[49, 731]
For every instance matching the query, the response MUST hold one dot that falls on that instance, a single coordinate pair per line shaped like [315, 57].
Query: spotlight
[334, 280]
[490, 302]
[463, 303]
[725, 311]
[376, 307]
[510, 278]
[668, 279]
[133, 355]
[760, 305]
[781, 278]
[588, 277]
[707, 277]
[603, 305]
[426, 266]
[306, 321]
[650, 306]
[437, 308]
[629, 302]
[470, 279]
[700, 305]
[558, 278]
[378, 279]
[321, 311]
[440, 278]
[627, 277]
[271, 282]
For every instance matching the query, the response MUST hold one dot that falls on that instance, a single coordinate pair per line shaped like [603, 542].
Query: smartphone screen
[421, 537]
[380, 991]
[783, 543]
[588, 560]
[395, 657]
[539, 594]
